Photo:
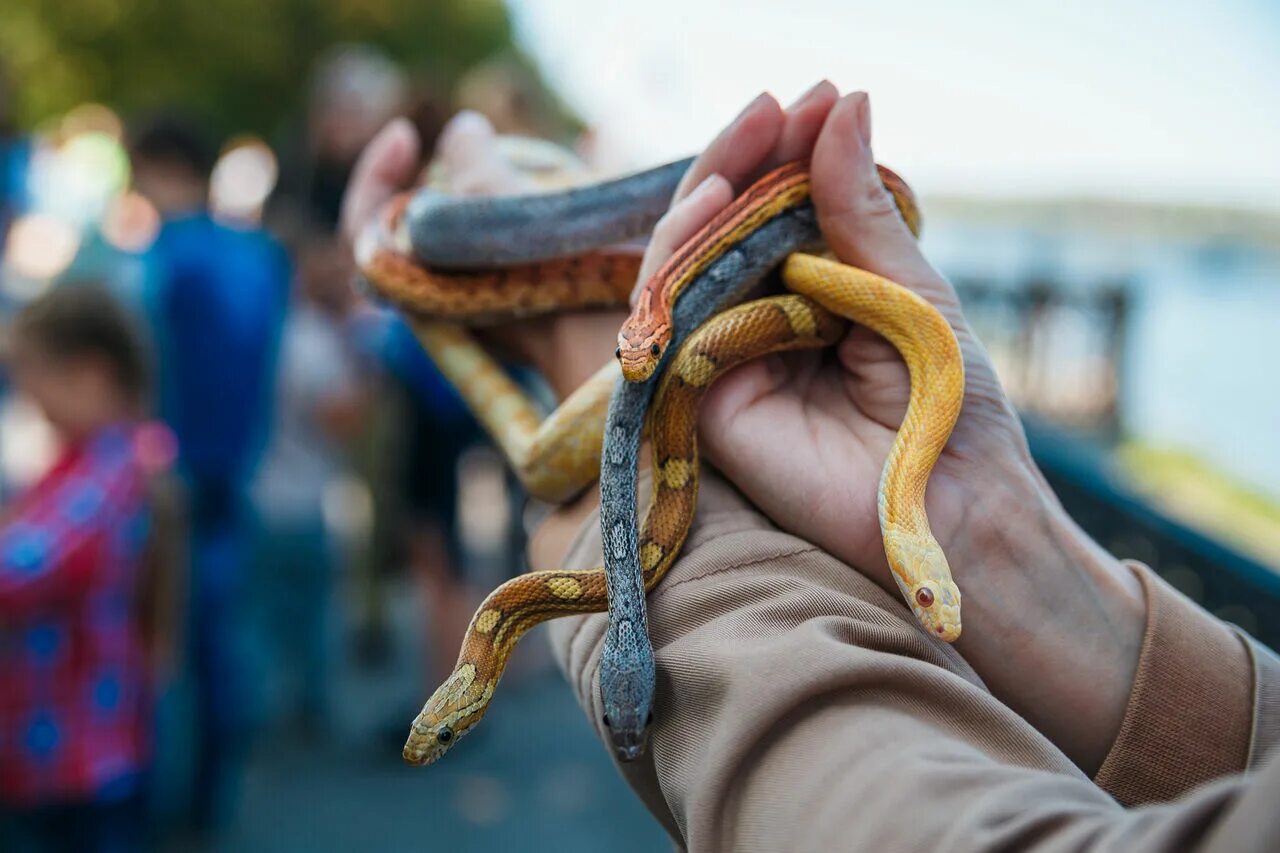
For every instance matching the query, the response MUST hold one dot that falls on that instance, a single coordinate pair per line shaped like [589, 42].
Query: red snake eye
[924, 596]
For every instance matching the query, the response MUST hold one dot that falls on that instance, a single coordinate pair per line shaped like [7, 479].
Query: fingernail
[706, 186]
[808, 94]
[470, 122]
[749, 107]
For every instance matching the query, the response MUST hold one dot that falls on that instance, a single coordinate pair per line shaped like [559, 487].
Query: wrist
[1053, 623]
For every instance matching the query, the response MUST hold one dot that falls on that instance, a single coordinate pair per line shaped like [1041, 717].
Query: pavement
[531, 776]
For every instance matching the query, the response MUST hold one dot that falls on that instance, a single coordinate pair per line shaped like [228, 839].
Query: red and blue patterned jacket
[74, 686]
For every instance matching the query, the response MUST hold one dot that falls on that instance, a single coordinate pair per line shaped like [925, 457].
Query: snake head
[922, 573]
[642, 340]
[936, 603]
[626, 690]
[639, 356]
[451, 712]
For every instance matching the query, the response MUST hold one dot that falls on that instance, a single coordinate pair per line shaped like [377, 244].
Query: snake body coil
[769, 325]
[557, 456]
[486, 232]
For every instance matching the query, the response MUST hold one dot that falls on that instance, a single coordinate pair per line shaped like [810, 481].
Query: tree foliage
[240, 63]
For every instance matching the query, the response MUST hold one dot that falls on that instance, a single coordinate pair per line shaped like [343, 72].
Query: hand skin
[1052, 623]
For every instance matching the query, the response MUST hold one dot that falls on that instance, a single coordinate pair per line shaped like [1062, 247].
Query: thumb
[858, 216]
[385, 166]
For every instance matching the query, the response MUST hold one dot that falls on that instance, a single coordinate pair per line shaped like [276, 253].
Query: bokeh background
[1101, 181]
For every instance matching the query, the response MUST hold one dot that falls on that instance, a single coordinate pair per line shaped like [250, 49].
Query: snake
[715, 269]
[738, 233]
[774, 324]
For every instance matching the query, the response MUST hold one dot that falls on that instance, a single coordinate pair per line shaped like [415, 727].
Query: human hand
[1052, 623]
[566, 348]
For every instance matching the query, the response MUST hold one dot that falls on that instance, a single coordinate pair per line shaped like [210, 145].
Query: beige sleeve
[800, 708]
[1205, 702]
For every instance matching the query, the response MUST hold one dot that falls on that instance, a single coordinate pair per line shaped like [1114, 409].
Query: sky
[1166, 100]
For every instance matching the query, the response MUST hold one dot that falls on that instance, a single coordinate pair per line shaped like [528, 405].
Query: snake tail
[928, 346]
[747, 331]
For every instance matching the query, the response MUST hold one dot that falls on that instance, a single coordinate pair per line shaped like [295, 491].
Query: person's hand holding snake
[1053, 624]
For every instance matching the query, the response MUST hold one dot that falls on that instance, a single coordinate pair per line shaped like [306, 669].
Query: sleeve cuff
[1190, 716]
[1266, 701]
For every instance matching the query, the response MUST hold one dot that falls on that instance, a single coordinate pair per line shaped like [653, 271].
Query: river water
[1201, 367]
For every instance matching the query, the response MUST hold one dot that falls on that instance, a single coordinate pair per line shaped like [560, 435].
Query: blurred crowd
[204, 428]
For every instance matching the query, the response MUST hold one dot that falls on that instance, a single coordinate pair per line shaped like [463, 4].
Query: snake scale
[714, 270]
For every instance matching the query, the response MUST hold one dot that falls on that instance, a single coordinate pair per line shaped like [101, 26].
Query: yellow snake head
[451, 712]
[642, 340]
[922, 573]
[936, 603]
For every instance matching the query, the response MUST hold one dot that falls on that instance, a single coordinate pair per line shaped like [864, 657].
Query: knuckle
[873, 199]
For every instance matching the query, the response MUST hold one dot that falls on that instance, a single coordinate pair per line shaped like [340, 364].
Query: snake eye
[617, 353]
[924, 596]
[648, 721]
[655, 350]
[444, 735]
[607, 724]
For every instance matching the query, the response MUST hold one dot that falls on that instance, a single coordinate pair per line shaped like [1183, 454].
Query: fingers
[857, 214]
[741, 147]
[804, 121]
[385, 166]
[681, 222]
[762, 135]
[468, 153]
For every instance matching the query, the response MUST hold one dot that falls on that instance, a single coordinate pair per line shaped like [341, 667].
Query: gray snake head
[626, 690]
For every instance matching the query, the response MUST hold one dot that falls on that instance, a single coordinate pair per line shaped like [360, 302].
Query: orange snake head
[450, 713]
[643, 338]
[640, 351]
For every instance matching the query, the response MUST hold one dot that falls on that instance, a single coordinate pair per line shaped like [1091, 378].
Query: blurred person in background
[355, 89]
[439, 428]
[78, 603]
[217, 300]
[319, 407]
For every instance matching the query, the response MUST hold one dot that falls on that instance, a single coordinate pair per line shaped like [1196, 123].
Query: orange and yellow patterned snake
[558, 456]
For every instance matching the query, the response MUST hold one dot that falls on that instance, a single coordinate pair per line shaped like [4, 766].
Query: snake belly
[775, 324]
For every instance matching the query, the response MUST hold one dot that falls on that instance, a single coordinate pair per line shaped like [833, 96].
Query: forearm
[1140, 687]
[801, 708]
[1053, 624]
